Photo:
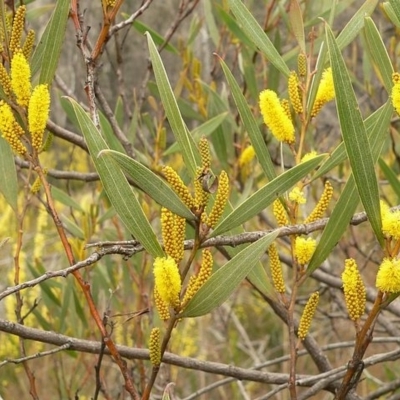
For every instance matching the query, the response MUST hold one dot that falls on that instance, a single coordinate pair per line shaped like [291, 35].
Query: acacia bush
[212, 217]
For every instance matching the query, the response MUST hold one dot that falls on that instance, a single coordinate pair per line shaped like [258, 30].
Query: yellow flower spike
[302, 64]
[308, 315]
[276, 269]
[38, 114]
[162, 307]
[308, 156]
[294, 93]
[17, 28]
[173, 234]
[205, 154]
[275, 117]
[220, 200]
[154, 347]
[354, 290]
[5, 81]
[247, 156]
[179, 187]
[304, 249]
[196, 282]
[11, 130]
[200, 195]
[322, 205]
[325, 93]
[167, 280]
[280, 213]
[21, 78]
[396, 92]
[28, 44]
[36, 185]
[388, 276]
[297, 196]
[390, 222]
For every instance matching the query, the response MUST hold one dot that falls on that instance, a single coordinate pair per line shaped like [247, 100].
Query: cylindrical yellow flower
[161, 306]
[38, 114]
[36, 185]
[197, 281]
[322, 204]
[325, 93]
[388, 276]
[28, 44]
[220, 200]
[5, 80]
[167, 280]
[308, 315]
[177, 184]
[21, 78]
[173, 234]
[304, 249]
[275, 117]
[247, 156]
[280, 213]
[200, 195]
[10, 129]
[354, 290]
[205, 154]
[390, 222]
[309, 156]
[276, 269]
[294, 94]
[286, 108]
[17, 28]
[154, 347]
[396, 92]
[302, 64]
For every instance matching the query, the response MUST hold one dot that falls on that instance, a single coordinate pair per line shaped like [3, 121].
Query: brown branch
[67, 135]
[130, 353]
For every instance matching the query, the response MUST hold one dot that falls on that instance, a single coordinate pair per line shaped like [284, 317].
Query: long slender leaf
[378, 52]
[393, 16]
[224, 281]
[190, 153]
[8, 175]
[348, 200]
[377, 121]
[48, 51]
[250, 124]
[150, 183]
[296, 22]
[266, 195]
[396, 7]
[255, 33]
[355, 137]
[353, 27]
[116, 186]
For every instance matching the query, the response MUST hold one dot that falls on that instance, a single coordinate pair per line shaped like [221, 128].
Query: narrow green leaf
[390, 176]
[150, 183]
[375, 123]
[395, 18]
[266, 195]
[348, 200]
[255, 33]
[116, 186]
[190, 153]
[353, 27]
[8, 175]
[396, 8]
[355, 137]
[250, 124]
[212, 28]
[47, 52]
[225, 280]
[64, 198]
[296, 21]
[379, 55]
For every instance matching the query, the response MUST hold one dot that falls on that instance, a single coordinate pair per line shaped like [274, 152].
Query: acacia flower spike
[322, 204]
[396, 92]
[154, 347]
[21, 78]
[307, 316]
[17, 28]
[161, 306]
[220, 200]
[354, 290]
[388, 276]
[10, 129]
[294, 93]
[280, 213]
[304, 249]
[275, 117]
[325, 93]
[177, 184]
[276, 269]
